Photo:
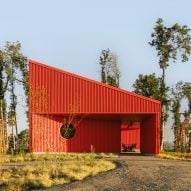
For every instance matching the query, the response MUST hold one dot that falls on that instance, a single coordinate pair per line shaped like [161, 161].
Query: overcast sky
[71, 34]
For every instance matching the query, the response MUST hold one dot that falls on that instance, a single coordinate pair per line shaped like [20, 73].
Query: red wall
[130, 134]
[54, 91]
[150, 134]
[104, 135]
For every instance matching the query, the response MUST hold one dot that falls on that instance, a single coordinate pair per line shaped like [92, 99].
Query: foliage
[23, 137]
[185, 139]
[71, 121]
[170, 43]
[13, 71]
[23, 142]
[148, 85]
[176, 104]
[181, 139]
[4, 79]
[110, 73]
[15, 60]
[187, 94]
[151, 86]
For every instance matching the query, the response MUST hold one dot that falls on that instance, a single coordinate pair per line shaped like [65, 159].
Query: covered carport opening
[149, 136]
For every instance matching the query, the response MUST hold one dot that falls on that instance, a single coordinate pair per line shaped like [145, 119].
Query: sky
[71, 34]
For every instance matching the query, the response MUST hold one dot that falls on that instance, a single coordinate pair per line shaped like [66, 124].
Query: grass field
[51, 157]
[176, 155]
[52, 169]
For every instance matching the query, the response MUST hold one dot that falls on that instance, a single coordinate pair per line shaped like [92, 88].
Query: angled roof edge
[93, 81]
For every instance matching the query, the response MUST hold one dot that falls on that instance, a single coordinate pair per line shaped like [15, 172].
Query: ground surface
[143, 173]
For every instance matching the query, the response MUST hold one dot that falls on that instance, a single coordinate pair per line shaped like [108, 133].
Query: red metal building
[96, 115]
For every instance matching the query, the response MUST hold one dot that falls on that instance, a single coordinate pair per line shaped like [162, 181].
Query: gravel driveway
[143, 173]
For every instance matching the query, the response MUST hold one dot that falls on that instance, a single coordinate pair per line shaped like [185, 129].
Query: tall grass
[51, 174]
[175, 155]
[48, 156]
[52, 169]
[52, 157]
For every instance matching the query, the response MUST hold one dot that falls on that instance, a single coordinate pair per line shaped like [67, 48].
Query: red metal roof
[63, 89]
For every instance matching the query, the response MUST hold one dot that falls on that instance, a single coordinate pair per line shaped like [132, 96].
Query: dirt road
[143, 173]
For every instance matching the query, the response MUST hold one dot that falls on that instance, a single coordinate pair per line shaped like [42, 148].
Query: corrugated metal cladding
[55, 93]
[103, 135]
[130, 134]
[61, 89]
[150, 137]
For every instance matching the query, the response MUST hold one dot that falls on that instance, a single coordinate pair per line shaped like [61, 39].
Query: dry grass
[176, 156]
[53, 170]
[50, 157]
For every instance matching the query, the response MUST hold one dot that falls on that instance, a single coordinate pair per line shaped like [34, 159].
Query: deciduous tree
[17, 63]
[170, 43]
[110, 73]
[13, 70]
[148, 85]
[177, 97]
[4, 79]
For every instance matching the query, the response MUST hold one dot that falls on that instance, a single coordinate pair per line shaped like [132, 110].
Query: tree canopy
[148, 85]
[110, 73]
[13, 72]
[171, 43]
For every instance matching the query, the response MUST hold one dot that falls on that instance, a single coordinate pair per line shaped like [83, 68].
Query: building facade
[70, 113]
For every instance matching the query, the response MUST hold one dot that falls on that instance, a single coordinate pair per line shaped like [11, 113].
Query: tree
[181, 136]
[13, 70]
[24, 140]
[187, 125]
[176, 105]
[4, 80]
[110, 73]
[148, 85]
[17, 64]
[16, 61]
[187, 94]
[170, 43]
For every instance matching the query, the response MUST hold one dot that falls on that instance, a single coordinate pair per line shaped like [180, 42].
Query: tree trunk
[162, 131]
[3, 129]
[189, 143]
[163, 90]
[3, 124]
[13, 137]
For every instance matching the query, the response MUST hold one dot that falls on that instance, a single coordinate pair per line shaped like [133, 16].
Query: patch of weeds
[106, 155]
[17, 158]
[53, 157]
[32, 184]
[45, 176]
[175, 155]
[90, 159]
